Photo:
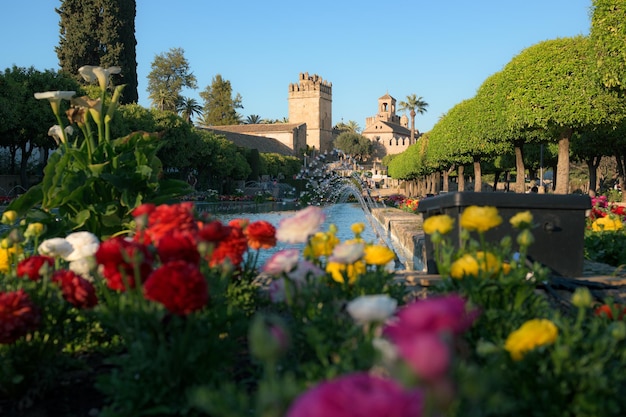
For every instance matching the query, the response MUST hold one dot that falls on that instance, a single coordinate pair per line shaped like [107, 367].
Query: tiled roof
[260, 143]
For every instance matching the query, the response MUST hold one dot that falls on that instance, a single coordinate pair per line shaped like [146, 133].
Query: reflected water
[342, 215]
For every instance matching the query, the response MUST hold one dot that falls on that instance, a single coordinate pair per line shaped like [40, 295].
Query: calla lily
[59, 135]
[93, 106]
[91, 73]
[55, 97]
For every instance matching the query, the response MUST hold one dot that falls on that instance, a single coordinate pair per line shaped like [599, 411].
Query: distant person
[535, 189]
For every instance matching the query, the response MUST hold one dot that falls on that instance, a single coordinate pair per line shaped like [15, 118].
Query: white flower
[84, 244]
[57, 134]
[347, 252]
[55, 97]
[55, 247]
[388, 351]
[298, 228]
[91, 73]
[84, 267]
[372, 308]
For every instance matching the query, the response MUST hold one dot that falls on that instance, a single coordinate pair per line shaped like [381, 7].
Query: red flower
[261, 235]
[606, 310]
[231, 248]
[31, 266]
[167, 218]
[177, 246]
[76, 290]
[179, 286]
[214, 231]
[18, 316]
[119, 256]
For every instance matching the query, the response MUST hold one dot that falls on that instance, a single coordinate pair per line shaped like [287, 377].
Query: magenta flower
[298, 228]
[446, 314]
[427, 355]
[358, 395]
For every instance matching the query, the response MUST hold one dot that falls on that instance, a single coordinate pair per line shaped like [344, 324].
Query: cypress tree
[100, 32]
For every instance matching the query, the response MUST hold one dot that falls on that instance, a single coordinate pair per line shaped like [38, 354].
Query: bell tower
[310, 102]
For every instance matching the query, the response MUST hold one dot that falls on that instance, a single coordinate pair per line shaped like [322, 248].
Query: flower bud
[582, 298]
[618, 330]
[525, 238]
[34, 230]
[9, 217]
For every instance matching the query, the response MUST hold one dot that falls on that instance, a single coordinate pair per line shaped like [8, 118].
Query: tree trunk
[592, 165]
[26, 152]
[496, 179]
[413, 113]
[520, 179]
[478, 176]
[446, 179]
[461, 172]
[562, 166]
[620, 159]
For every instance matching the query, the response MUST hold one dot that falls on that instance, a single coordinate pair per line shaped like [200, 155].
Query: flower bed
[186, 323]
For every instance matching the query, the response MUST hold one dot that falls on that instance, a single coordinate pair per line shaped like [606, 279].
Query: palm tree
[253, 119]
[351, 126]
[188, 107]
[415, 105]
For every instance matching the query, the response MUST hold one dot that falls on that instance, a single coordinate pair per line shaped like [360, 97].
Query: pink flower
[426, 354]
[298, 228]
[281, 262]
[437, 314]
[304, 271]
[357, 395]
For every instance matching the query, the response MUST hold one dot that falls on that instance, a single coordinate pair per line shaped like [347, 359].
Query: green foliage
[354, 144]
[608, 35]
[100, 33]
[220, 107]
[169, 75]
[24, 120]
[606, 247]
[274, 165]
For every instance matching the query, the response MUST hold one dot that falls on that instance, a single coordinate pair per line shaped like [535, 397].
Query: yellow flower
[357, 228]
[522, 220]
[532, 334]
[378, 255]
[352, 271]
[34, 230]
[9, 217]
[485, 263]
[480, 218]
[607, 223]
[320, 244]
[465, 265]
[8, 257]
[506, 268]
[441, 223]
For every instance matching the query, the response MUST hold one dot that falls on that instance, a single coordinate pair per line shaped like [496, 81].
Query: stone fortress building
[387, 130]
[310, 124]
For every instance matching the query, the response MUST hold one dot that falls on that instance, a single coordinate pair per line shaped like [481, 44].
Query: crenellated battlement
[311, 83]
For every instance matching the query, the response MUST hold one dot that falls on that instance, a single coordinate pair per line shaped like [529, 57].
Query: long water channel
[342, 215]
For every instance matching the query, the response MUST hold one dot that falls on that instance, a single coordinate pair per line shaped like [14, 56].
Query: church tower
[310, 102]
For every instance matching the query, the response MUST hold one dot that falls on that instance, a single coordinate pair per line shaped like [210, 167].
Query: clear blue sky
[442, 51]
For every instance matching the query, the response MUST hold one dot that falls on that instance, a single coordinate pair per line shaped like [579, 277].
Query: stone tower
[310, 102]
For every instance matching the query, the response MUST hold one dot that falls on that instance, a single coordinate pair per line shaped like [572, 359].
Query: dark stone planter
[559, 224]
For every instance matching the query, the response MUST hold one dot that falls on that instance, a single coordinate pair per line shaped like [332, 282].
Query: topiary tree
[551, 87]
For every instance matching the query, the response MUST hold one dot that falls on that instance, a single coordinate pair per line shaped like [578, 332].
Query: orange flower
[261, 235]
